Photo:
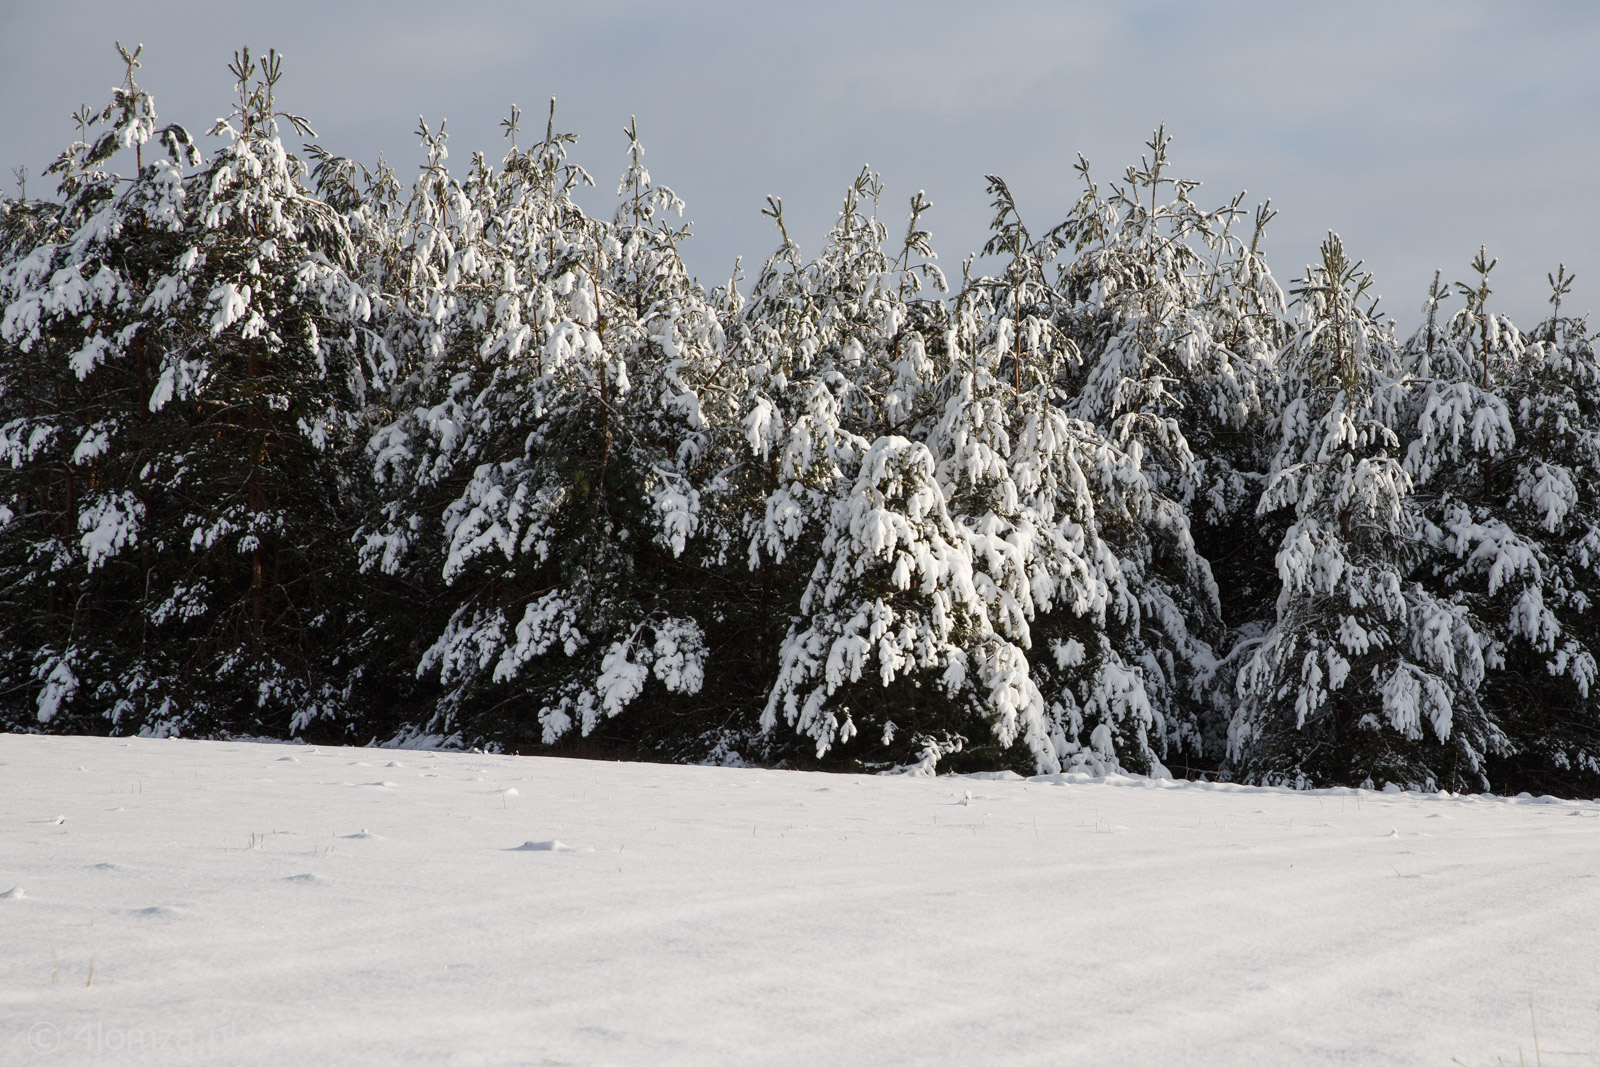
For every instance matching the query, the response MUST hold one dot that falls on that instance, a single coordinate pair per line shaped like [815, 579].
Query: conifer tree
[834, 352]
[1032, 491]
[544, 452]
[1504, 452]
[1124, 301]
[77, 353]
[266, 358]
[1175, 319]
[1545, 692]
[1366, 675]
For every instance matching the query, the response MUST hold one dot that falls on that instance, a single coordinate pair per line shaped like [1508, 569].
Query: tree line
[290, 446]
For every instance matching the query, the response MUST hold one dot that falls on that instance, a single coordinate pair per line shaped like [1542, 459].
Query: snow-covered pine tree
[393, 610]
[1176, 319]
[268, 349]
[835, 356]
[671, 351]
[1460, 440]
[542, 459]
[449, 291]
[888, 618]
[1026, 487]
[1366, 676]
[891, 642]
[80, 640]
[787, 451]
[1505, 453]
[1545, 693]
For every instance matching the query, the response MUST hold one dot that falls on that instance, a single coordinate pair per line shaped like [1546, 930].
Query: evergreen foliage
[289, 445]
[1504, 450]
[1365, 675]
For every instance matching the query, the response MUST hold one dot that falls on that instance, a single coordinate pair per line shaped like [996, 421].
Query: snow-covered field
[274, 904]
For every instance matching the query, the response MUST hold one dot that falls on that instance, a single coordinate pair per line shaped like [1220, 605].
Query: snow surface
[267, 904]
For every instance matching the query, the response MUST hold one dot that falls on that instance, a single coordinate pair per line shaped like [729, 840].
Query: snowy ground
[271, 904]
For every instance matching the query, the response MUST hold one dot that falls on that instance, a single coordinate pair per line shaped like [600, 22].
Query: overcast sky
[1418, 130]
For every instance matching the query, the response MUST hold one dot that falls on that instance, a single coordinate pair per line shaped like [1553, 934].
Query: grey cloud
[1417, 130]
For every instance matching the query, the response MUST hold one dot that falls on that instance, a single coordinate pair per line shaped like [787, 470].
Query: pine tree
[546, 451]
[1366, 675]
[1177, 319]
[891, 609]
[77, 352]
[1505, 447]
[833, 359]
[1545, 692]
[266, 354]
[1031, 490]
